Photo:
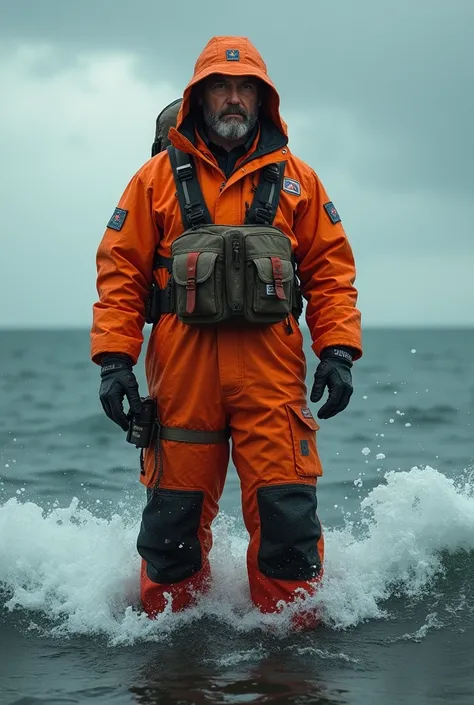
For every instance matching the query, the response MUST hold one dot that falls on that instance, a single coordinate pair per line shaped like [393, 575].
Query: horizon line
[369, 326]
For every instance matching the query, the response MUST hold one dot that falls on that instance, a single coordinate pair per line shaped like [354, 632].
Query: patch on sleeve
[118, 219]
[292, 186]
[232, 55]
[330, 209]
[304, 447]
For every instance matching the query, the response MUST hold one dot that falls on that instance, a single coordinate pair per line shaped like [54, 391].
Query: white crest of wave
[80, 571]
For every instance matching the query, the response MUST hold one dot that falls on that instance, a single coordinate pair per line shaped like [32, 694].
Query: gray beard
[229, 129]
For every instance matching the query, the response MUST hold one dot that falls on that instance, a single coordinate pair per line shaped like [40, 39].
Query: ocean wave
[79, 571]
[438, 414]
[94, 427]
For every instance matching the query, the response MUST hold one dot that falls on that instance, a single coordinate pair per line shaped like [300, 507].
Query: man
[232, 378]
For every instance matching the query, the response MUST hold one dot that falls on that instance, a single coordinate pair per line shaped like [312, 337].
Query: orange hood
[233, 56]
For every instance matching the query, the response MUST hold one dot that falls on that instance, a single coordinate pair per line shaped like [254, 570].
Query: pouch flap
[267, 241]
[265, 270]
[205, 266]
[305, 416]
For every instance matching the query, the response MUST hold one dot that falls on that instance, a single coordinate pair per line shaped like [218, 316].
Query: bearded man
[213, 241]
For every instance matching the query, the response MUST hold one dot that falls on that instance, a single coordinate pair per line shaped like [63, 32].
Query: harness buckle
[184, 172]
[262, 215]
[195, 213]
[271, 173]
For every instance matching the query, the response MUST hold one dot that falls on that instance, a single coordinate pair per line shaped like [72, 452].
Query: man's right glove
[117, 382]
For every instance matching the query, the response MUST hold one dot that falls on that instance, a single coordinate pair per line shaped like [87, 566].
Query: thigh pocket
[303, 429]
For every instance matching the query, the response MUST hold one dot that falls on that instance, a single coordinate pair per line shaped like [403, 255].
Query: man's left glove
[117, 382]
[334, 371]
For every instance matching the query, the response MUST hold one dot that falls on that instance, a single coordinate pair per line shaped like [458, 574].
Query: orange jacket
[153, 220]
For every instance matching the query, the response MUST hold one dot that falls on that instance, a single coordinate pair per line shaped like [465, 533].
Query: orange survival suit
[248, 379]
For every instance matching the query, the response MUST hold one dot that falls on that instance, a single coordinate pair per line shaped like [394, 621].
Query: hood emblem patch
[232, 55]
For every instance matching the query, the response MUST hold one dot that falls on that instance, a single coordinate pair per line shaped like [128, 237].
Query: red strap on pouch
[278, 277]
[191, 266]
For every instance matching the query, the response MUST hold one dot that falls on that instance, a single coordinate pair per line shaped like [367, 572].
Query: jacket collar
[270, 138]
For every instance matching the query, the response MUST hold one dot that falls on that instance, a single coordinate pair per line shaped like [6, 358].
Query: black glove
[334, 371]
[118, 381]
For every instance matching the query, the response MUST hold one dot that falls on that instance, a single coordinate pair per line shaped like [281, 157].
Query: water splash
[79, 572]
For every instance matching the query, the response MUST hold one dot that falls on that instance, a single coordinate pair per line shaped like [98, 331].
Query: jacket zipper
[255, 155]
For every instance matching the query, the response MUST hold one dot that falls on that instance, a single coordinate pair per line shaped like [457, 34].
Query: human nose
[233, 96]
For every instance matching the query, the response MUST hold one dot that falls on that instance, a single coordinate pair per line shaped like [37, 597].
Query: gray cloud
[403, 70]
[378, 98]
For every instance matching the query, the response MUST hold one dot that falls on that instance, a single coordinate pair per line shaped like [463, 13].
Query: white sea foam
[431, 623]
[236, 657]
[78, 572]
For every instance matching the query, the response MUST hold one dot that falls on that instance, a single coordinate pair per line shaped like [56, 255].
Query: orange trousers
[252, 381]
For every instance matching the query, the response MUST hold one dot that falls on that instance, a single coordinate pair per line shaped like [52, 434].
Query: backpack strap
[191, 201]
[267, 196]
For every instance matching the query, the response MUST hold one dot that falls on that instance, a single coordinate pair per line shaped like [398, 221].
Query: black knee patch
[168, 538]
[290, 531]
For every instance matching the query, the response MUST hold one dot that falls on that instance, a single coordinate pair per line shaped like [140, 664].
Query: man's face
[230, 105]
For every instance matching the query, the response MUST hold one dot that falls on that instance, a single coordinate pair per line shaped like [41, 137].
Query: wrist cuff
[110, 363]
[340, 353]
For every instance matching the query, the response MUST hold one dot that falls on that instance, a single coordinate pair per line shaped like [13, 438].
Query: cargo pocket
[197, 286]
[269, 289]
[303, 429]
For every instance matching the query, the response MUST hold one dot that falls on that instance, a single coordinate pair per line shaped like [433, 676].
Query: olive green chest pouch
[221, 272]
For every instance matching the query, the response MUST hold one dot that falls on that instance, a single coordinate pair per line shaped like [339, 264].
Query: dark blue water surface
[396, 501]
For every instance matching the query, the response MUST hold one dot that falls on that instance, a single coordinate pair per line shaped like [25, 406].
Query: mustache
[233, 110]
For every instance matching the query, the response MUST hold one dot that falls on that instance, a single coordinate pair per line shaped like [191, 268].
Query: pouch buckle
[278, 277]
[191, 281]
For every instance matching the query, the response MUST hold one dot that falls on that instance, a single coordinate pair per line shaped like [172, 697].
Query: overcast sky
[378, 97]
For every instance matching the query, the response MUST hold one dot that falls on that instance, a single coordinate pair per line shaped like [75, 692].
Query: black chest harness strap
[191, 200]
[193, 207]
[195, 213]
